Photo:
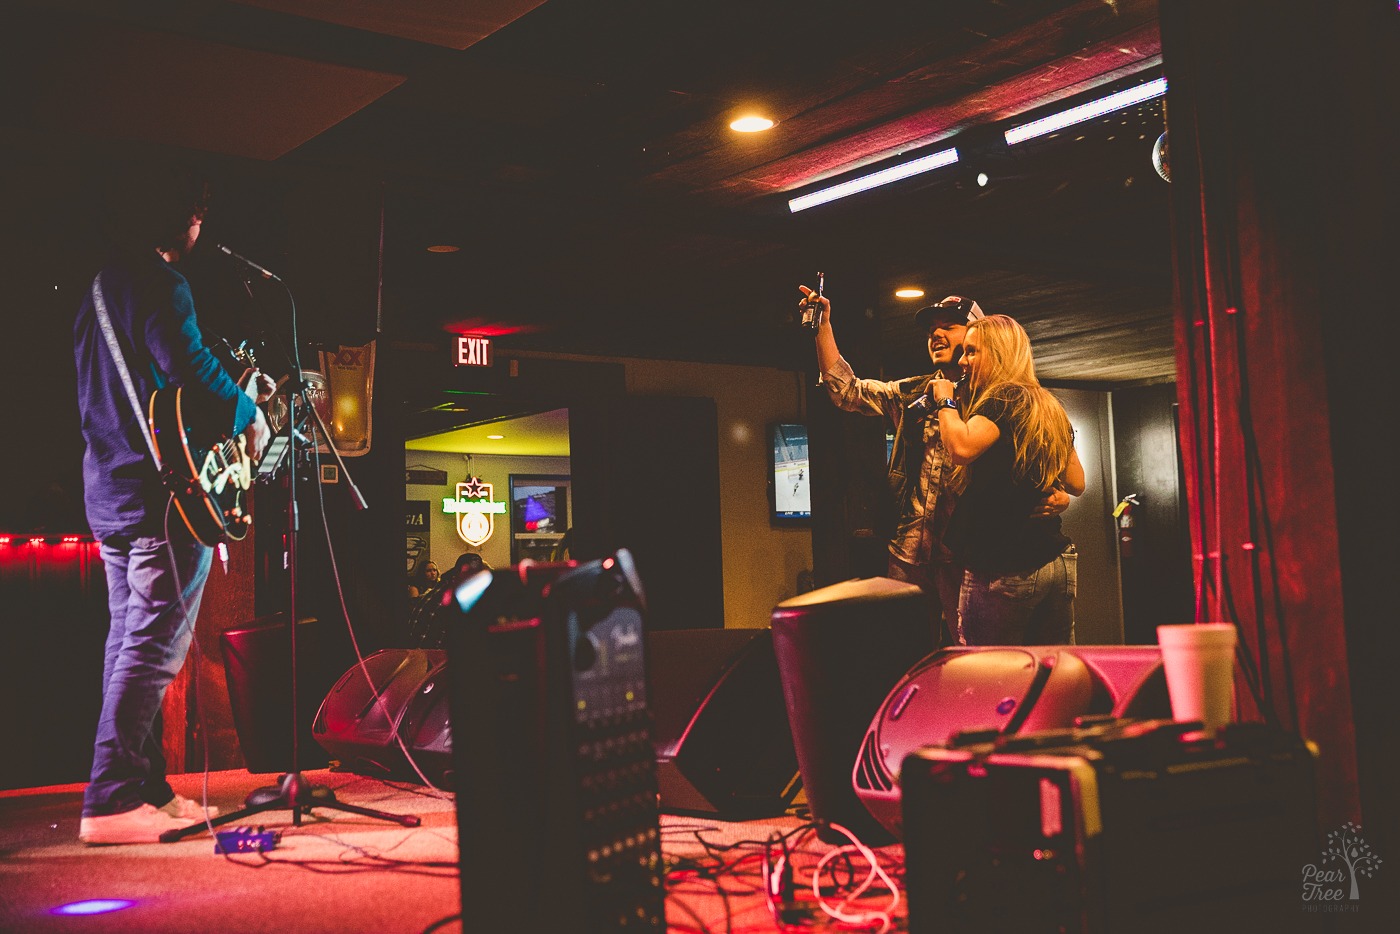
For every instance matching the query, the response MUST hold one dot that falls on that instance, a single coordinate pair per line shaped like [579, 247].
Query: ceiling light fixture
[1088, 111]
[982, 179]
[751, 124]
[908, 293]
[495, 437]
[894, 173]
[443, 248]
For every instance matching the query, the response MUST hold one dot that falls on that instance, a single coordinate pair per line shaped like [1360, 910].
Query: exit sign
[472, 351]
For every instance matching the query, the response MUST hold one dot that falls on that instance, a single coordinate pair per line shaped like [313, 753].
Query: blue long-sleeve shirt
[152, 313]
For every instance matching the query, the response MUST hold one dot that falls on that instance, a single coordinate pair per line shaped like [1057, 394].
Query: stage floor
[340, 872]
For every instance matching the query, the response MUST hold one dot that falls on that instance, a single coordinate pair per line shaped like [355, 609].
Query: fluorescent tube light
[1125, 98]
[874, 180]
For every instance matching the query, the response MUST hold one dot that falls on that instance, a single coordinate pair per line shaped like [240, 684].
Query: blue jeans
[1020, 609]
[940, 581]
[146, 645]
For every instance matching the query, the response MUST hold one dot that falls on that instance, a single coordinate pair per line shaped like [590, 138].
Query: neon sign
[475, 510]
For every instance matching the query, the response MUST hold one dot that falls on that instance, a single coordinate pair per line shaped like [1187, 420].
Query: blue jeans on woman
[153, 601]
[1036, 608]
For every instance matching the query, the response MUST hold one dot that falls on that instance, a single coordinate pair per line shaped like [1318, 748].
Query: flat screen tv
[789, 474]
[539, 516]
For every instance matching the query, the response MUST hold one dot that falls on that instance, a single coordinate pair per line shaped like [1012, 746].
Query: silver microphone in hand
[922, 405]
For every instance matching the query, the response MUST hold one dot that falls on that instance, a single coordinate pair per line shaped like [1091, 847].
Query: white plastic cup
[1199, 659]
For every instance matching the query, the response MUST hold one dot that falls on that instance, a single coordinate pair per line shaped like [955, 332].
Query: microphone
[920, 406]
[265, 273]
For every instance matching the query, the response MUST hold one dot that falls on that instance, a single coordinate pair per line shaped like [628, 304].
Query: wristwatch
[949, 403]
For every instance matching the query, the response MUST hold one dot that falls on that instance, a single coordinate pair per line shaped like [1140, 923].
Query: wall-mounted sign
[416, 523]
[472, 351]
[476, 512]
[416, 516]
[425, 476]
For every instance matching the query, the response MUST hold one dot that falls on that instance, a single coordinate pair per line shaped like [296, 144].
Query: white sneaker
[183, 808]
[143, 825]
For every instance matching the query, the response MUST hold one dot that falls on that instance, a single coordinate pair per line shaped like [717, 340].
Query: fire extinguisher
[1124, 514]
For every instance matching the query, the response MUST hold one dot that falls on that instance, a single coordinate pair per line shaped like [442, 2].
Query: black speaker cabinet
[556, 783]
[723, 746]
[1001, 690]
[360, 722]
[840, 650]
[258, 669]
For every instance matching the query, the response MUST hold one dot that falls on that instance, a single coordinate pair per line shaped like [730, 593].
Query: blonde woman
[1011, 447]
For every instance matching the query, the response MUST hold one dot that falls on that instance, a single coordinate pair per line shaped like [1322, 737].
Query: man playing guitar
[136, 333]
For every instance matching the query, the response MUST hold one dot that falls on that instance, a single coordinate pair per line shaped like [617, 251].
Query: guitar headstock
[243, 353]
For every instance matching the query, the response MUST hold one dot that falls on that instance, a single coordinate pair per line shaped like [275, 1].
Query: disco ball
[1160, 159]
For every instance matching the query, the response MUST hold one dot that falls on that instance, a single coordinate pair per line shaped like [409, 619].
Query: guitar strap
[104, 321]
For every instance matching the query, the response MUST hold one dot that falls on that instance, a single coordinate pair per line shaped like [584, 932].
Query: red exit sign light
[472, 351]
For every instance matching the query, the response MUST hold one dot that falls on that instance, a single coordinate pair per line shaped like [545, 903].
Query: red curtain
[1266, 244]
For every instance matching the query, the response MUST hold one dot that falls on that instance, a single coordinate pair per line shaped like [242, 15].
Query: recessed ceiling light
[908, 293]
[495, 437]
[982, 179]
[751, 124]
[443, 248]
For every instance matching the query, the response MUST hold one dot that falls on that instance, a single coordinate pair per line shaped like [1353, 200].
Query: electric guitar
[210, 484]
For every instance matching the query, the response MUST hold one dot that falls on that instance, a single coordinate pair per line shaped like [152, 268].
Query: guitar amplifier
[1135, 826]
[556, 773]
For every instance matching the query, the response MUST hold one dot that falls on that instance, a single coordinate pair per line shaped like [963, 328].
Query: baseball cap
[955, 309]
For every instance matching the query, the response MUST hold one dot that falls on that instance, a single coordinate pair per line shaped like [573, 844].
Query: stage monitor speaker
[360, 722]
[840, 649]
[258, 670]
[1001, 690]
[723, 746]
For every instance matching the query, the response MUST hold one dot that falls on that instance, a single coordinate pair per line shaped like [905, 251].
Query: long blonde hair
[1042, 437]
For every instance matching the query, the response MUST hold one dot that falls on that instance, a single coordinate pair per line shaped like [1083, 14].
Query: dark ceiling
[578, 153]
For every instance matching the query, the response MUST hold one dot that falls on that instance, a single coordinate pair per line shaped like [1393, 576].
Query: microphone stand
[293, 792]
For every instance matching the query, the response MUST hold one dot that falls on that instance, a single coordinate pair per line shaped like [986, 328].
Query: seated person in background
[1011, 446]
[563, 550]
[468, 562]
[424, 579]
[432, 610]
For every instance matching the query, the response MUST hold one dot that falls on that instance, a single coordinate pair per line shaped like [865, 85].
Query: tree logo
[1328, 887]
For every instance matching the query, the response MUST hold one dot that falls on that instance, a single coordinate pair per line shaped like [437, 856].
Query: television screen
[539, 516]
[536, 510]
[790, 482]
